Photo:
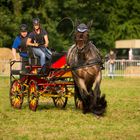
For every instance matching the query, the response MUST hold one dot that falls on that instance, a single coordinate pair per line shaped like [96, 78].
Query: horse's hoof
[99, 112]
[85, 111]
[97, 116]
[80, 105]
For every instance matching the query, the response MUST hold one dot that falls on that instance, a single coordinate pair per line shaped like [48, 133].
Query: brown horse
[85, 61]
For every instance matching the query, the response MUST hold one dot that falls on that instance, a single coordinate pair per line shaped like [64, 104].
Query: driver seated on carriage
[38, 42]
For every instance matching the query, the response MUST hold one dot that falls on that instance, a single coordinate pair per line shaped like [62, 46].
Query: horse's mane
[71, 54]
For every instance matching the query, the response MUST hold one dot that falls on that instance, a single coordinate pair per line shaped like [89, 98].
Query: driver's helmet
[23, 28]
[82, 28]
[36, 21]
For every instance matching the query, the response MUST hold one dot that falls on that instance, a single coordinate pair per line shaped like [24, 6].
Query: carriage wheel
[61, 101]
[33, 96]
[16, 94]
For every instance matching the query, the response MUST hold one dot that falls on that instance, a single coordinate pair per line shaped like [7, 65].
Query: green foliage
[112, 20]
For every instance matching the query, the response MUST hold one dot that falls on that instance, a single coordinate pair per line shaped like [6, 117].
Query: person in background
[19, 45]
[111, 62]
[38, 40]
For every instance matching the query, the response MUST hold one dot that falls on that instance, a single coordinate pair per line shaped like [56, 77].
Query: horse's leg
[77, 97]
[97, 91]
[99, 103]
[85, 96]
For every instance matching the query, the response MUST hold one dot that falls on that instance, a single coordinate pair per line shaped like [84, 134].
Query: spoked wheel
[16, 94]
[33, 96]
[61, 100]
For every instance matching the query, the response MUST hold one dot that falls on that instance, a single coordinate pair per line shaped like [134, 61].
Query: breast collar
[82, 50]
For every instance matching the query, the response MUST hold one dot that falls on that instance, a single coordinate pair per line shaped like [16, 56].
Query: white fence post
[122, 68]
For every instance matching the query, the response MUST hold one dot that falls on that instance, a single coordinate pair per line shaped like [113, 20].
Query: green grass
[121, 121]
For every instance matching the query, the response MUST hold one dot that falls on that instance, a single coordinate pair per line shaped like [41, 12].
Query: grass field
[121, 121]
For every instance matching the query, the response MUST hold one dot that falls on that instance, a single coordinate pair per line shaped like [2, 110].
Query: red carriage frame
[55, 83]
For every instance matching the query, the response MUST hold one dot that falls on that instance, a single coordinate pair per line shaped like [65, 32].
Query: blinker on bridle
[81, 29]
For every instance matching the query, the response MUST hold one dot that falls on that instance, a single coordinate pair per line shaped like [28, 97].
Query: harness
[22, 46]
[74, 51]
[93, 63]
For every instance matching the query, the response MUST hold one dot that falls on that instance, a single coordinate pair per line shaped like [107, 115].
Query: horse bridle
[90, 63]
[85, 42]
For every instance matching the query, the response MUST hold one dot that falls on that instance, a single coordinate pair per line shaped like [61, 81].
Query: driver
[38, 40]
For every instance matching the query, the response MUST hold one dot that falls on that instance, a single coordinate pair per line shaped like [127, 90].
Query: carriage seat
[34, 61]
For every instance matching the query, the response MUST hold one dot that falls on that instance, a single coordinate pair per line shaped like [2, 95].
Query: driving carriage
[30, 82]
[84, 67]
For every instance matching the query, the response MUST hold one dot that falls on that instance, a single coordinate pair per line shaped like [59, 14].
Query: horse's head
[81, 36]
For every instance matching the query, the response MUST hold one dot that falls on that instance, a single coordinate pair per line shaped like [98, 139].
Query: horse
[85, 63]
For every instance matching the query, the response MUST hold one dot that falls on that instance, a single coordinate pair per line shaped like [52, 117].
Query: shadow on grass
[49, 105]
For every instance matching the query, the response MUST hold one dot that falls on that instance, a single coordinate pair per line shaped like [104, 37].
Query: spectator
[111, 62]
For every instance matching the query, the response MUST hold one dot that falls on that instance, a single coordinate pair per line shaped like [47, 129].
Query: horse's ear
[77, 22]
[90, 24]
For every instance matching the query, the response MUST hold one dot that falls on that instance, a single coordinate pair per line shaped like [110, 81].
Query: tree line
[112, 20]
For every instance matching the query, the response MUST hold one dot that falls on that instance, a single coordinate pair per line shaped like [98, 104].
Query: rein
[88, 64]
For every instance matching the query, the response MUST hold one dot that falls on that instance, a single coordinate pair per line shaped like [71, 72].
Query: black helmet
[23, 28]
[82, 27]
[36, 21]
